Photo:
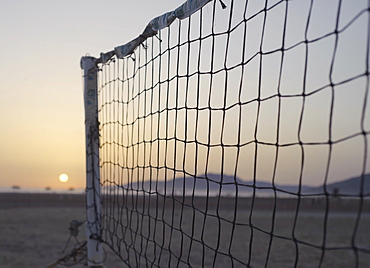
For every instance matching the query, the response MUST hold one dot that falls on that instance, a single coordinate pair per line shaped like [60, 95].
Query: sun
[63, 177]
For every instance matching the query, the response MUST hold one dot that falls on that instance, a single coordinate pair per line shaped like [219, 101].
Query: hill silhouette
[350, 186]
[216, 184]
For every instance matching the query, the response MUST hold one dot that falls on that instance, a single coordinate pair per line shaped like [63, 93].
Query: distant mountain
[216, 184]
[350, 186]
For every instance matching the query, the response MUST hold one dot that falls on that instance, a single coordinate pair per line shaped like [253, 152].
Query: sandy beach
[34, 231]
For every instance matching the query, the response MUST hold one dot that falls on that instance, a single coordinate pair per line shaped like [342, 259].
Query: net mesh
[226, 139]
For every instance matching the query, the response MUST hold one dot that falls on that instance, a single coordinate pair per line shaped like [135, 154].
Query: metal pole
[93, 201]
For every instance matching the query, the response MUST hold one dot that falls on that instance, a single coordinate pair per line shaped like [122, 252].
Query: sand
[34, 230]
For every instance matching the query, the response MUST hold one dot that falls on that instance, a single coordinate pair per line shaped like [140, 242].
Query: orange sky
[41, 104]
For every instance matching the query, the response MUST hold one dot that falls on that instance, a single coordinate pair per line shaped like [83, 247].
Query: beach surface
[34, 231]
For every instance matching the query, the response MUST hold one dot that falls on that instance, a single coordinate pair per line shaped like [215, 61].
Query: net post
[93, 200]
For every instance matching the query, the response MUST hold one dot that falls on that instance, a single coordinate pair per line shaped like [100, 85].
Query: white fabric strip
[156, 24]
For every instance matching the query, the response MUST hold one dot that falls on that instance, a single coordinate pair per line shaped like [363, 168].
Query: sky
[337, 114]
[41, 104]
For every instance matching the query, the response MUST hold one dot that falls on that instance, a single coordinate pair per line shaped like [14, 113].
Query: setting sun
[63, 177]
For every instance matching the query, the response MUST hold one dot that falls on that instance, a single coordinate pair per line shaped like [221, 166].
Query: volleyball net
[234, 133]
